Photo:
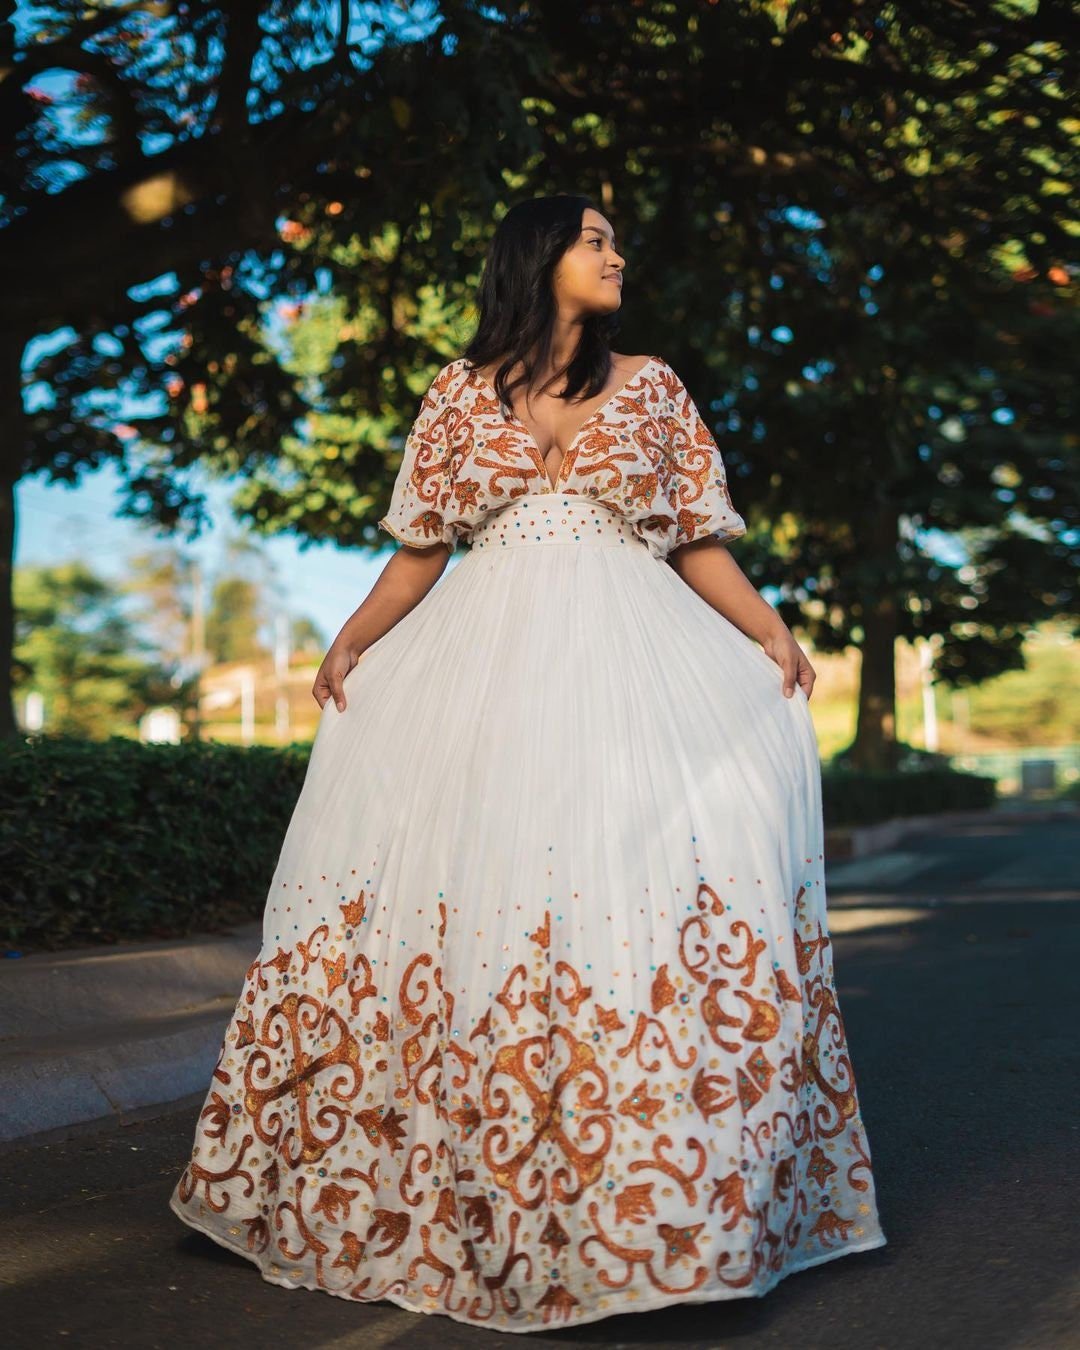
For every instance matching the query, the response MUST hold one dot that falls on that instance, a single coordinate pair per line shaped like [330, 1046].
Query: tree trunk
[11, 446]
[875, 746]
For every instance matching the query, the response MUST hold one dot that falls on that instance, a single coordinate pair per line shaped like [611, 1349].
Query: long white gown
[543, 1027]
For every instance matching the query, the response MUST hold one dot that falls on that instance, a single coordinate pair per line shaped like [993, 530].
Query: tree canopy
[246, 236]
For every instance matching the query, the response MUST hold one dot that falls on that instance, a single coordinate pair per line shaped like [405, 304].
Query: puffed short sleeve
[421, 511]
[700, 499]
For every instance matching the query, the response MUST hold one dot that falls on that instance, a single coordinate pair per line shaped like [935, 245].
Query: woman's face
[588, 278]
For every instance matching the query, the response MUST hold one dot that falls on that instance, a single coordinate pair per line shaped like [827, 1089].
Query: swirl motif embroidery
[421, 1157]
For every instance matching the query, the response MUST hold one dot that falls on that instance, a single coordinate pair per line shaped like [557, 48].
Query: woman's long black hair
[516, 301]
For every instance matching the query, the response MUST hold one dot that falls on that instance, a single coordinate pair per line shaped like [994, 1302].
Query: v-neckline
[550, 486]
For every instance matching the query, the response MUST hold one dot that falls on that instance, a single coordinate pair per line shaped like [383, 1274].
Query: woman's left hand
[792, 660]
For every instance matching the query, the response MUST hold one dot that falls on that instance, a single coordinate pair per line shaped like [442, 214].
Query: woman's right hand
[330, 679]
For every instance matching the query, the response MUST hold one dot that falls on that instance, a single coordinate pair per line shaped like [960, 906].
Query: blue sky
[57, 523]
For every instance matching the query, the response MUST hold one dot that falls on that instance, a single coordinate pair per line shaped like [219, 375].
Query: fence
[1007, 767]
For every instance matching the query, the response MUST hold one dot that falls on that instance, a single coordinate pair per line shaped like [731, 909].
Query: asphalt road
[956, 961]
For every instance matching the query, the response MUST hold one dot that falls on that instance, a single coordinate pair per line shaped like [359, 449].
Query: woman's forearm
[402, 584]
[709, 568]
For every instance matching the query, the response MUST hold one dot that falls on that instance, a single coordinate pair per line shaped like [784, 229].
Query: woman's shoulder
[459, 377]
[447, 381]
[622, 361]
[666, 375]
[627, 365]
[452, 368]
[649, 366]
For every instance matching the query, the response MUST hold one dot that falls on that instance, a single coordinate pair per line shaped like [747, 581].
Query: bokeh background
[239, 239]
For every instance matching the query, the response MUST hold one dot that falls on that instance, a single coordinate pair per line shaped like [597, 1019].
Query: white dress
[543, 1027]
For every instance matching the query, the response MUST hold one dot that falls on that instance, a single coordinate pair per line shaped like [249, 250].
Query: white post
[281, 674]
[247, 705]
[34, 711]
[929, 705]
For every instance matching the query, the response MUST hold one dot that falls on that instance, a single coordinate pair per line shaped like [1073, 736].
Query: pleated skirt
[544, 1026]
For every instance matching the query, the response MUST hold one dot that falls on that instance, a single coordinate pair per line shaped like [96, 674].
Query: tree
[901, 407]
[160, 579]
[820, 205]
[76, 647]
[234, 620]
[162, 582]
[307, 638]
[165, 193]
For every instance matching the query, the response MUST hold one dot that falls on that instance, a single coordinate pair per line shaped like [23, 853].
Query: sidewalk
[103, 1031]
[859, 841]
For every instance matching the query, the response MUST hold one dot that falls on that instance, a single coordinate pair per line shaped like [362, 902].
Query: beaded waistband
[552, 518]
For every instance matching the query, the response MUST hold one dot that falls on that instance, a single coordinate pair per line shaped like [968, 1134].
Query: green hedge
[114, 839]
[850, 797]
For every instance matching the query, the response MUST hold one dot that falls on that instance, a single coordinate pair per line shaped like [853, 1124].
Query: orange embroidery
[376, 1163]
[646, 454]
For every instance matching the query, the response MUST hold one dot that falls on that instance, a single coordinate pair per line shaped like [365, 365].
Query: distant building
[160, 725]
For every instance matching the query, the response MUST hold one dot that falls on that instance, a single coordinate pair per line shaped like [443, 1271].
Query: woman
[544, 1027]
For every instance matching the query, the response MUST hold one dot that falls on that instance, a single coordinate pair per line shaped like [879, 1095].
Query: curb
[857, 841]
[94, 1033]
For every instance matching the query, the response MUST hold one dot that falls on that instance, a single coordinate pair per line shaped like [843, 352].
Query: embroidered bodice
[646, 454]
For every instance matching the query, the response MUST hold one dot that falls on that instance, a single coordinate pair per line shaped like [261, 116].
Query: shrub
[106, 840]
[851, 797]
